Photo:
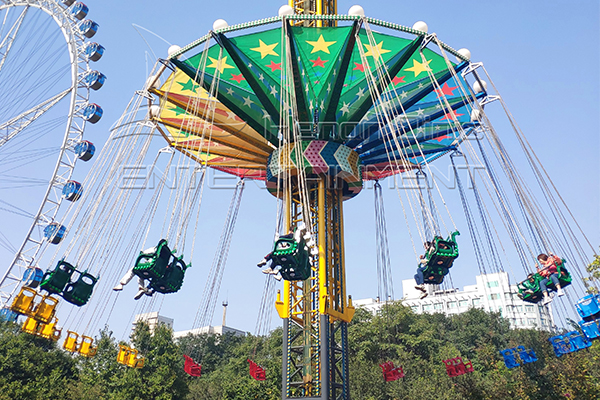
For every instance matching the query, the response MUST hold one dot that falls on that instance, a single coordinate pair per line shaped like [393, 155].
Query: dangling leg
[544, 290]
[420, 280]
[559, 291]
[143, 290]
[125, 280]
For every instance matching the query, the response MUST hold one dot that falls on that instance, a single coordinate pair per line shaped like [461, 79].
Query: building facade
[492, 292]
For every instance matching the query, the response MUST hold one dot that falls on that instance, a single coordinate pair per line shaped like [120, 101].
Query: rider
[550, 273]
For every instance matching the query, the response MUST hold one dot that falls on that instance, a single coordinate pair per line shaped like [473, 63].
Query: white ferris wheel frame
[79, 99]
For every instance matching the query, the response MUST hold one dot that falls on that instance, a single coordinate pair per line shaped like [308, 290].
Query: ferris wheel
[45, 67]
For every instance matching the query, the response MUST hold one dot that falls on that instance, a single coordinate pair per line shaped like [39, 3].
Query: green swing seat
[80, 291]
[172, 279]
[152, 264]
[293, 259]
[440, 259]
[529, 289]
[55, 280]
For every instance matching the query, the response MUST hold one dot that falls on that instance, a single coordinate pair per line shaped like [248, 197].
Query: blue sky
[544, 58]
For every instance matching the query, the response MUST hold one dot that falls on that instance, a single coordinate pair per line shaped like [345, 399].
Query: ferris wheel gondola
[45, 65]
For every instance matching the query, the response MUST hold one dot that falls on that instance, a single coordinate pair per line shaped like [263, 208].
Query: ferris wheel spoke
[11, 128]
[8, 40]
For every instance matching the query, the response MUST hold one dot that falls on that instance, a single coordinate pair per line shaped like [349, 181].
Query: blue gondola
[589, 307]
[591, 329]
[92, 113]
[94, 51]
[95, 80]
[55, 232]
[88, 28]
[72, 191]
[80, 10]
[32, 277]
[85, 150]
[6, 314]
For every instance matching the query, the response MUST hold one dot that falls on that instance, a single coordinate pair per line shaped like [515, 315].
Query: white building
[213, 330]
[492, 292]
[153, 319]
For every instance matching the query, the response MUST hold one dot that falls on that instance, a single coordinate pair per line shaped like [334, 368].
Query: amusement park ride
[313, 103]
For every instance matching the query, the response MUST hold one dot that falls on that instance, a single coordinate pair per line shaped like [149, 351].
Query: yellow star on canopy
[320, 45]
[265, 49]
[418, 67]
[220, 64]
[374, 51]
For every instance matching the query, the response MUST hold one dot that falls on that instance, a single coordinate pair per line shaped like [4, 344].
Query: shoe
[278, 277]
[421, 288]
[263, 262]
[560, 292]
[267, 271]
[139, 294]
[310, 243]
[546, 300]
[423, 295]
[314, 251]
[118, 288]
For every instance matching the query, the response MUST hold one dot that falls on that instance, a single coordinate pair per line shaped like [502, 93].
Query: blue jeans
[419, 278]
[544, 282]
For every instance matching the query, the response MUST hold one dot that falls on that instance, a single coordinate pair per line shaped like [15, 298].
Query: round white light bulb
[172, 50]
[420, 26]
[220, 24]
[356, 11]
[285, 10]
[478, 87]
[465, 53]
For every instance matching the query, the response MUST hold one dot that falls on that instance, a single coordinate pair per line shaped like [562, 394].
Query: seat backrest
[24, 301]
[45, 310]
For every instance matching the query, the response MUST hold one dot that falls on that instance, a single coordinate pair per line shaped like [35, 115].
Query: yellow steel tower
[316, 311]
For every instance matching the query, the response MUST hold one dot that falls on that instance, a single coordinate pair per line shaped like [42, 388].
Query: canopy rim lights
[462, 54]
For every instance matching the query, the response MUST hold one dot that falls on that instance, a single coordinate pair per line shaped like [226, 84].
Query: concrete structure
[492, 292]
[214, 330]
[153, 319]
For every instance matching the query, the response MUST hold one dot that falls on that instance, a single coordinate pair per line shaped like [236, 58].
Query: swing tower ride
[313, 107]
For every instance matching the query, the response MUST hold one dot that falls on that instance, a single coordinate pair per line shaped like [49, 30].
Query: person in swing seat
[549, 272]
[274, 269]
[419, 276]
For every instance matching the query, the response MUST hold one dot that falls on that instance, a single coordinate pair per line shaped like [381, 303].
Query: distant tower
[225, 304]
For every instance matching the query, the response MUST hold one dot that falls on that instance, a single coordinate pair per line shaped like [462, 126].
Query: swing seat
[527, 356]
[152, 263]
[55, 280]
[578, 341]
[71, 343]
[391, 373]
[529, 289]
[590, 328]
[50, 331]
[256, 371]
[80, 291]
[172, 280]
[24, 302]
[440, 259]
[44, 312]
[86, 349]
[293, 259]
[559, 345]
[190, 367]
[30, 326]
[129, 357]
[564, 277]
[135, 360]
[589, 307]
[510, 359]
